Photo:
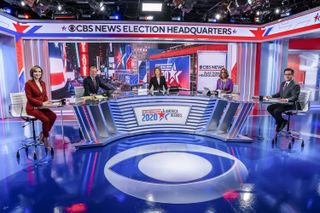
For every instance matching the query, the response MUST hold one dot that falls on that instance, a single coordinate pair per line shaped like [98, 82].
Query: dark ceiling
[230, 11]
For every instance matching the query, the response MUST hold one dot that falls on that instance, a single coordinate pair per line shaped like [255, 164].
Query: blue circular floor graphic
[175, 173]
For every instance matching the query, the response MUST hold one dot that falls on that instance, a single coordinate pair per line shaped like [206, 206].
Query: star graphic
[64, 28]
[234, 31]
[174, 74]
[317, 18]
[161, 114]
[20, 28]
[258, 33]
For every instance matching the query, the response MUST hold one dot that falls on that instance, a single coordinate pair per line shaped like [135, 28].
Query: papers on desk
[56, 104]
[142, 91]
[94, 97]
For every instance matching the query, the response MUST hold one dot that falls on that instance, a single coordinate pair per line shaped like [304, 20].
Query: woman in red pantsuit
[36, 93]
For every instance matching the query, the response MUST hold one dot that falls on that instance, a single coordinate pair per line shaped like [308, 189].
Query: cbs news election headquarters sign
[299, 24]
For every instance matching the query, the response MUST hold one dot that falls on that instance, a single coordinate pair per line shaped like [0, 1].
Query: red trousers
[46, 116]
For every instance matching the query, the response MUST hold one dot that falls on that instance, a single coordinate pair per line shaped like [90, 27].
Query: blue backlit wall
[8, 73]
[273, 62]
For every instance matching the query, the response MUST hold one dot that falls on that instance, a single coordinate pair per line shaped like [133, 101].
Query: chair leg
[288, 126]
[33, 131]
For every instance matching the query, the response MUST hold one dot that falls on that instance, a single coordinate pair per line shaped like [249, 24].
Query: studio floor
[158, 173]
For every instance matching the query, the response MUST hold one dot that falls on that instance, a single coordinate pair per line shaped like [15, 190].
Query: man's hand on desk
[284, 100]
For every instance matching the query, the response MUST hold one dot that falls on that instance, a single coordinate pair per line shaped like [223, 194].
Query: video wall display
[120, 65]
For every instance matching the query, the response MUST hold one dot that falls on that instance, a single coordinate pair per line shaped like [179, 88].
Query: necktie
[94, 83]
[285, 85]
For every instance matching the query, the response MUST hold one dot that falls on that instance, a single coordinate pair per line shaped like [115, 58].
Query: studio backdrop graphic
[176, 70]
[209, 65]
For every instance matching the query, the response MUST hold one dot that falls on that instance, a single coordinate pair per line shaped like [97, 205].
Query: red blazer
[35, 97]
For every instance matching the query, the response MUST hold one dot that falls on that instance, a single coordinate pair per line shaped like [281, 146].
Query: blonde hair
[34, 69]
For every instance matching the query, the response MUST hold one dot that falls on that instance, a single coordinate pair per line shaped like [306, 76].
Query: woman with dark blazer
[36, 93]
[158, 82]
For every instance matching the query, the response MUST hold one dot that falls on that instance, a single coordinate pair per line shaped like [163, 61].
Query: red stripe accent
[19, 52]
[194, 37]
[234, 72]
[257, 74]
[305, 44]
[294, 63]
[294, 31]
[190, 50]
[56, 78]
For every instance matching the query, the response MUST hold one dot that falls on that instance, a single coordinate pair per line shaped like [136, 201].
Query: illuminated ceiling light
[103, 8]
[25, 16]
[147, 18]
[114, 17]
[151, 7]
[249, 1]
[59, 7]
[101, 4]
[277, 11]
[7, 10]
[258, 13]
[177, 18]
[212, 20]
[218, 16]
[23, 3]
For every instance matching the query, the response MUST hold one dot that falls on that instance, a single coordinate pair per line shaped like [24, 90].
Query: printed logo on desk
[161, 115]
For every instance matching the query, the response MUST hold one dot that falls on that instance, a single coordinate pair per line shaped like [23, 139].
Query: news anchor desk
[102, 122]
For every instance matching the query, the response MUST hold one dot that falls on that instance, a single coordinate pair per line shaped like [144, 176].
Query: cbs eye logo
[180, 172]
[72, 28]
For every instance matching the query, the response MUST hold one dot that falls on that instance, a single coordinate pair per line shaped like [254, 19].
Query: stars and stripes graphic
[57, 68]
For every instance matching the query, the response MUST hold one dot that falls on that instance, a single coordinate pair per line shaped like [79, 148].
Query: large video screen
[120, 65]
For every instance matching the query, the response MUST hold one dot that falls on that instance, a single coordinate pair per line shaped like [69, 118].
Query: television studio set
[149, 106]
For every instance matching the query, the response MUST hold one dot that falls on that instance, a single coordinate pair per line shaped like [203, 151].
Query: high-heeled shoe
[46, 143]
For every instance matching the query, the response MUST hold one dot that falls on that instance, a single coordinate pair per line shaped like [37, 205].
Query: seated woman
[224, 84]
[158, 82]
[36, 93]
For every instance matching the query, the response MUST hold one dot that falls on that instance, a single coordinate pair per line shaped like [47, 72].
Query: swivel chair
[18, 110]
[304, 103]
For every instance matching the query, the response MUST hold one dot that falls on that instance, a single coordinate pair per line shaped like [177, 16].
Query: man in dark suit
[288, 93]
[158, 82]
[92, 83]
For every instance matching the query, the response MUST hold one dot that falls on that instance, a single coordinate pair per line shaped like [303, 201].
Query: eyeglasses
[287, 74]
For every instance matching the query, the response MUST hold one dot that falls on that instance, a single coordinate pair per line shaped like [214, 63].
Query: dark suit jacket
[156, 86]
[291, 92]
[89, 87]
[35, 97]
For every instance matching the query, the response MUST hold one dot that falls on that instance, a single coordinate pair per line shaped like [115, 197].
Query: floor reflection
[279, 180]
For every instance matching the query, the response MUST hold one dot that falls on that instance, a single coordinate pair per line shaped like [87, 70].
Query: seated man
[93, 82]
[289, 92]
